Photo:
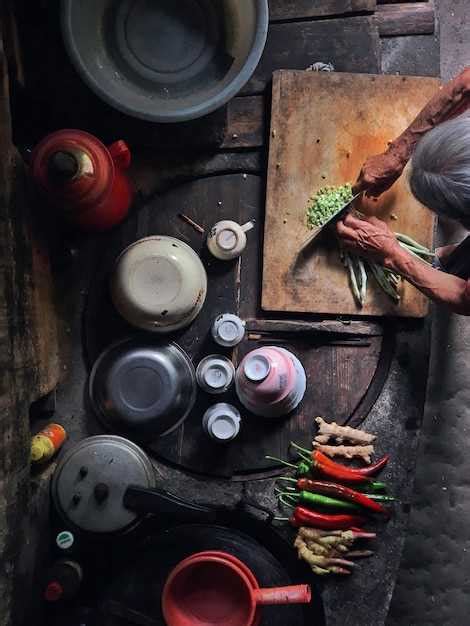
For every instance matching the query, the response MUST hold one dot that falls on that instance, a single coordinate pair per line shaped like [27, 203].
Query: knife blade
[330, 222]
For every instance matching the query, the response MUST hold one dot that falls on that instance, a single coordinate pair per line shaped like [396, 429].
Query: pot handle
[154, 501]
[120, 154]
[293, 594]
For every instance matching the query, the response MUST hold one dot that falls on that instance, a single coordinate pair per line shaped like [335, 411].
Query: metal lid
[90, 481]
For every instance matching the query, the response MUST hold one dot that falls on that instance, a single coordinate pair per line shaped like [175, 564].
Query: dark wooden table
[211, 169]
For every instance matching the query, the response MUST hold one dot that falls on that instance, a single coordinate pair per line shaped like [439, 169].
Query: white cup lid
[217, 375]
[227, 239]
[229, 330]
[256, 367]
[223, 427]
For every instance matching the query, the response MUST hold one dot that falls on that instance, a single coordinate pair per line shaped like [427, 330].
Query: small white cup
[222, 422]
[227, 239]
[215, 374]
[228, 330]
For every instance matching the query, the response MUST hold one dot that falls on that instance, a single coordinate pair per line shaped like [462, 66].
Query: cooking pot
[105, 485]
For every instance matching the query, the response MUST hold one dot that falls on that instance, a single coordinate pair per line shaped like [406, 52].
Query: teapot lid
[72, 167]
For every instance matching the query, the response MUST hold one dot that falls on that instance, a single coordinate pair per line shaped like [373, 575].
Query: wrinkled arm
[381, 171]
[451, 100]
[372, 238]
[437, 285]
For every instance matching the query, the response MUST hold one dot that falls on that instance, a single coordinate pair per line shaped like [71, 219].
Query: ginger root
[341, 434]
[348, 452]
[321, 564]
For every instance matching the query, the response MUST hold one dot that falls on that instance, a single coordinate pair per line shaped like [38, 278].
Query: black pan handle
[156, 502]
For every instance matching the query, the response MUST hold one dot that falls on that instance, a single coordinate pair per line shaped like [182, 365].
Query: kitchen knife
[331, 222]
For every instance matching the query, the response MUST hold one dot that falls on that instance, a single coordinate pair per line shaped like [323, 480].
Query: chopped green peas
[326, 203]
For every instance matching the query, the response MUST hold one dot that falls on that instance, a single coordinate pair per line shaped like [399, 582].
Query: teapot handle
[120, 154]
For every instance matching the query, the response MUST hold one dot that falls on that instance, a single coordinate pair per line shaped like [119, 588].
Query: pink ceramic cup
[270, 381]
[266, 376]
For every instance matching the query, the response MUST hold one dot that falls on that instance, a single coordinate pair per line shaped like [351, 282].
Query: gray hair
[440, 169]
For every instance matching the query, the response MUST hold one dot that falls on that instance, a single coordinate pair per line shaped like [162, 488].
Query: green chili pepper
[380, 497]
[301, 469]
[315, 500]
[375, 486]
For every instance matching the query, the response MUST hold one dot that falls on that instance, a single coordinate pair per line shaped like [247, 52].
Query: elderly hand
[378, 173]
[369, 237]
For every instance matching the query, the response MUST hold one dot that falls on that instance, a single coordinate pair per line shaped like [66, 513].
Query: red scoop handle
[294, 594]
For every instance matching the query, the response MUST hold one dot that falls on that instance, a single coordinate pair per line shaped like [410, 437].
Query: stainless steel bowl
[142, 388]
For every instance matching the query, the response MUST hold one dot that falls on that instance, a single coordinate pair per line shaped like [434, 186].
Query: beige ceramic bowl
[159, 284]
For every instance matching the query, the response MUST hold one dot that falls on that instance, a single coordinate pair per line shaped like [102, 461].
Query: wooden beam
[280, 10]
[398, 1]
[327, 327]
[352, 45]
[28, 362]
[406, 18]
[12, 43]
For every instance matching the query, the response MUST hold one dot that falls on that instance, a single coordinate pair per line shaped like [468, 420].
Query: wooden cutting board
[323, 127]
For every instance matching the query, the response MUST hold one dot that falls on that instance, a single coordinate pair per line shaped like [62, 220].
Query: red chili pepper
[337, 471]
[306, 517]
[370, 470]
[340, 491]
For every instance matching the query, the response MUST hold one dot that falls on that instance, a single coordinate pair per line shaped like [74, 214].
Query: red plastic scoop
[215, 590]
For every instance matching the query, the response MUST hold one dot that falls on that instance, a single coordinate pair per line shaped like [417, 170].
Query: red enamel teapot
[85, 180]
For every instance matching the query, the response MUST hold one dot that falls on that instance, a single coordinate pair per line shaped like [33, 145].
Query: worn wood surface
[379, 2]
[299, 9]
[338, 376]
[318, 139]
[28, 361]
[153, 174]
[352, 45]
[409, 18]
[246, 123]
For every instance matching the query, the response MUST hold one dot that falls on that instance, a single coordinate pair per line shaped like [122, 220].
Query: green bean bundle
[322, 207]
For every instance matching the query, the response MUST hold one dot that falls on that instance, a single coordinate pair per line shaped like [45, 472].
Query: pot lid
[89, 483]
